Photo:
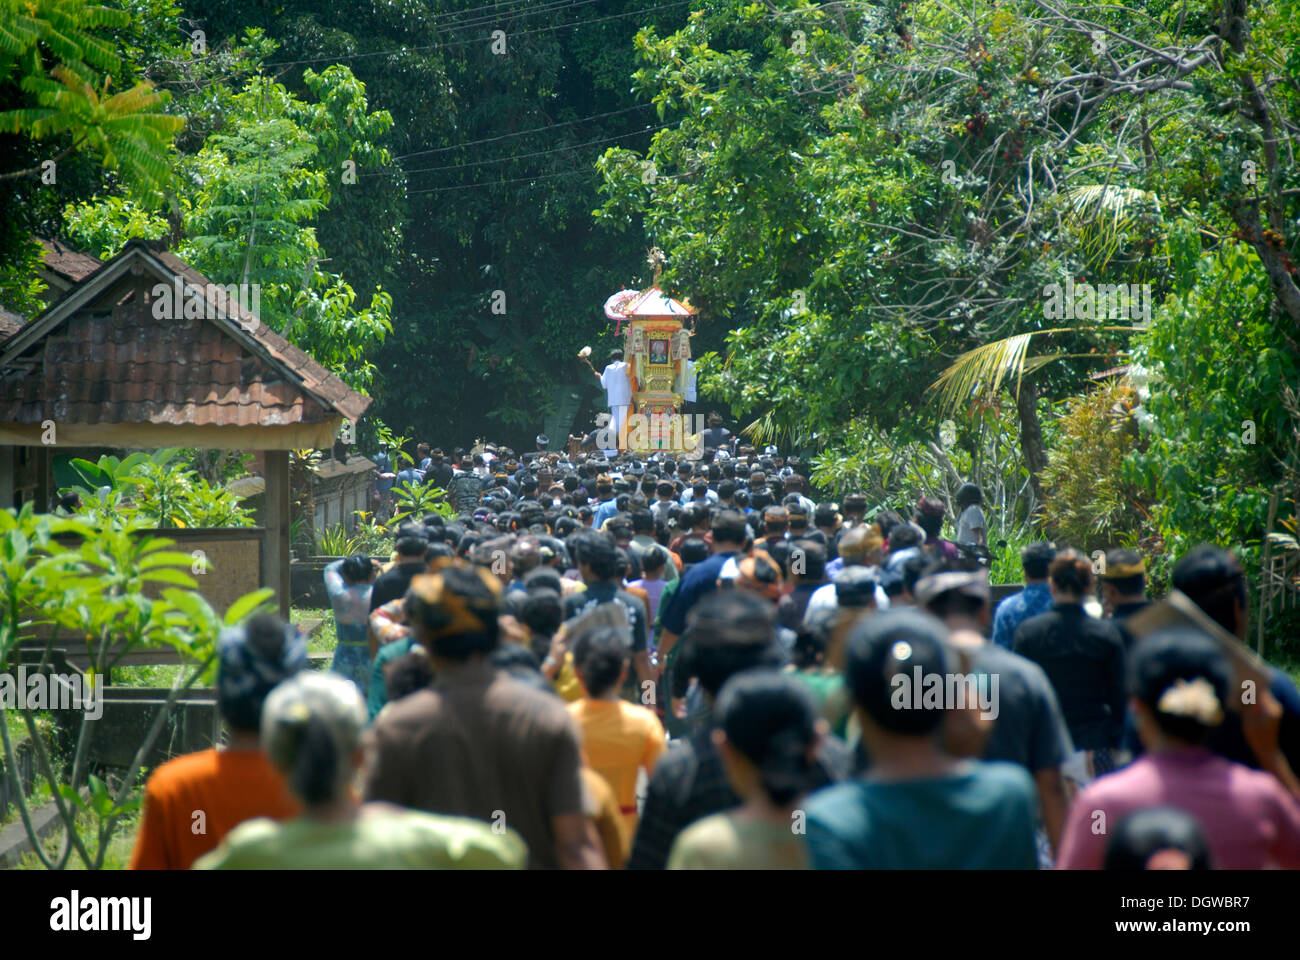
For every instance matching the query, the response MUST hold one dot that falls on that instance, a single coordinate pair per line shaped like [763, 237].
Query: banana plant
[99, 582]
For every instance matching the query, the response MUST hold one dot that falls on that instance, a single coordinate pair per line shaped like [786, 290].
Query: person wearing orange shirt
[193, 801]
[619, 738]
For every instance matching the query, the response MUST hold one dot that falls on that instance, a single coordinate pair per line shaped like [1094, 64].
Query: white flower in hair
[1194, 699]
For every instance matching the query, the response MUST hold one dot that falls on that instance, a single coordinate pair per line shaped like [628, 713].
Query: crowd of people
[692, 664]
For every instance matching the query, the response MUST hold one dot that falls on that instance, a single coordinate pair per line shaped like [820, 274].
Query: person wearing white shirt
[688, 387]
[618, 394]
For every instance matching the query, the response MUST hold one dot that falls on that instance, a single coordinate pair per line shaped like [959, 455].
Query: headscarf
[246, 674]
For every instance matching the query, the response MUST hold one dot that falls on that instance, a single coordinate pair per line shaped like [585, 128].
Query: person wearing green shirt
[311, 730]
[378, 695]
[918, 807]
[767, 738]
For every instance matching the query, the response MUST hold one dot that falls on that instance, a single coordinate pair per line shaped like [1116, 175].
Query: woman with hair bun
[767, 735]
[311, 730]
[1180, 684]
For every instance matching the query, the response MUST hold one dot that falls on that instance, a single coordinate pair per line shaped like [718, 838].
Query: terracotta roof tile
[66, 262]
[129, 366]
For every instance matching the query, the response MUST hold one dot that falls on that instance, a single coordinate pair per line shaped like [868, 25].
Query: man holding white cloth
[618, 394]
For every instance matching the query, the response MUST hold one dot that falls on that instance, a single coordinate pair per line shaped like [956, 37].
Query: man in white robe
[618, 395]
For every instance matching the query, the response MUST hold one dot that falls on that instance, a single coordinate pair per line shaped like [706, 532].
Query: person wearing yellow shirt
[619, 738]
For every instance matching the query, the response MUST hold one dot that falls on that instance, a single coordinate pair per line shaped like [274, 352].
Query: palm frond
[1103, 213]
[981, 372]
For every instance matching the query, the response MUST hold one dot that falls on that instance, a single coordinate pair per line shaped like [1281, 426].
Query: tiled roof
[68, 263]
[10, 323]
[655, 303]
[126, 366]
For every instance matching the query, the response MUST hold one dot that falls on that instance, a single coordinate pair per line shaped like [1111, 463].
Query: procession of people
[660, 661]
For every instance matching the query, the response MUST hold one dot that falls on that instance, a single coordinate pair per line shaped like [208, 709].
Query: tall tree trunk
[1031, 436]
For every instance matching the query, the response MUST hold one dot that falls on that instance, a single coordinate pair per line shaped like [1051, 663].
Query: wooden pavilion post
[275, 546]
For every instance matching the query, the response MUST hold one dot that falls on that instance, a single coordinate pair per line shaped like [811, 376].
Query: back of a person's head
[813, 638]
[884, 651]
[457, 609]
[514, 659]
[1158, 838]
[1213, 579]
[855, 587]
[769, 718]
[911, 570]
[543, 578]
[729, 527]
[727, 632]
[407, 674]
[652, 561]
[1070, 571]
[810, 561]
[1183, 677]
[356, 569]
[596, 550]
[946, 589]
[599, 656]
[525, 555]
[1036, 557]
[693, 550]
[903, 536]
[929, 515]
[412, 540]
[311, 728]
[438, 552]
[1125, 572]
[252, 658]
[543, 611]
[967, 494]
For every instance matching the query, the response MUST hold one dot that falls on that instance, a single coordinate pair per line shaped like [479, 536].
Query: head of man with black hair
[892, 658]
[1212, 577]
[453, 614]
[767, 737]
[601, 658]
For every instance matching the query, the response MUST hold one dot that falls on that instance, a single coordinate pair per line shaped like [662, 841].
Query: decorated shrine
[656, 331]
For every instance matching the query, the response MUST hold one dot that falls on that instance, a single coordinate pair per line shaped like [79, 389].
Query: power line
[555, 6]
[461, 43]
[502, 183]
[522, 156]
[522, 133]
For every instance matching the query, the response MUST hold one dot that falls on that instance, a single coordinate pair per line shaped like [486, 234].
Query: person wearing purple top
[1180, 683]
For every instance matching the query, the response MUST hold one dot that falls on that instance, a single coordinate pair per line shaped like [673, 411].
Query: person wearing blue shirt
[410, 475]
[730, 537]
[1036, 598]
[608, 503]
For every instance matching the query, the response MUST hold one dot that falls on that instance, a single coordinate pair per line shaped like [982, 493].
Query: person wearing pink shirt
[1180, 681]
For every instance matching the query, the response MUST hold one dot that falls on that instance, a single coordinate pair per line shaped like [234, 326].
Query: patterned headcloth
[760, 574]
[458, 599]
[249, 669]
[930, 507]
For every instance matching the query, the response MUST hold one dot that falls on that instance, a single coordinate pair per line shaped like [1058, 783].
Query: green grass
[17, 728]
[325, 639]
[155, 675]
[119, 848]
[164, 675]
